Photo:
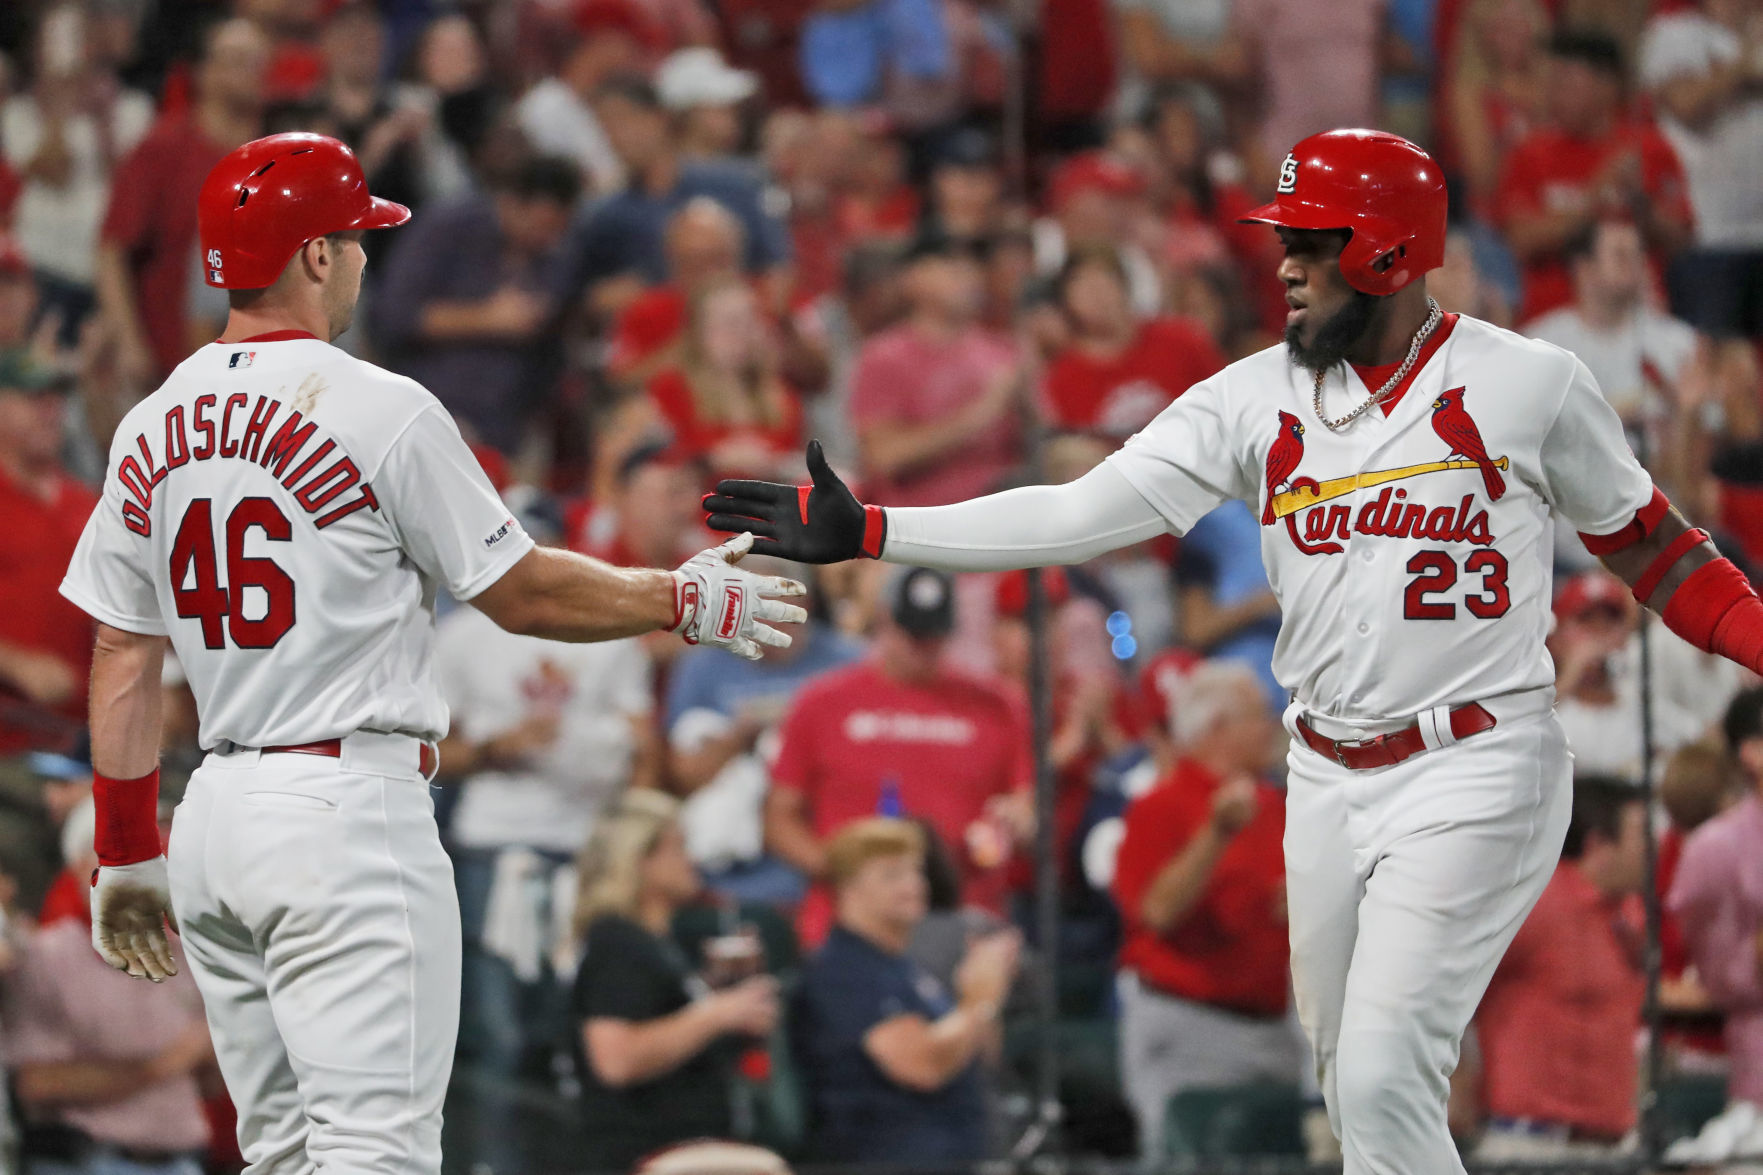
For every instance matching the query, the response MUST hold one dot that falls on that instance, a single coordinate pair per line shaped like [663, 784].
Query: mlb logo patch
[241, 358]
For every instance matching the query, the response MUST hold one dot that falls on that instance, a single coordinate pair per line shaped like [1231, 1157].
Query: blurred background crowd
[966, 244]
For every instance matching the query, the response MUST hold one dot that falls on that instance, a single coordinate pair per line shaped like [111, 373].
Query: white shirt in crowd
[1690, 691]
[1633, 364]
[494, 681]
[1722, 161]
[57, 226]
[556, 121]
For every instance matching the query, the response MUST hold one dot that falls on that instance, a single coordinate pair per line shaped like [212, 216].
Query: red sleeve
[646, 325]
[1155, 832]
[9, 186]
[129, 220]
[1060, 395]
[1022, 758]
[672, 397]
[1664, 177]
[1199, 355]
[1517, 194]
[792, 770]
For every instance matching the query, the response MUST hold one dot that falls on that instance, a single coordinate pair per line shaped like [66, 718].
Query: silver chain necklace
[1433, 315]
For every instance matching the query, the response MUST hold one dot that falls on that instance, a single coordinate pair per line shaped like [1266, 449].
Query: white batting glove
[716, 603]
[130, 907]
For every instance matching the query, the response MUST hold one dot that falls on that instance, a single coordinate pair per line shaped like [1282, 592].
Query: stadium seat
[1222, 1121]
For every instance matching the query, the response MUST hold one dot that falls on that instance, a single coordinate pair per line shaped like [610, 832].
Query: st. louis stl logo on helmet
[1288, 175]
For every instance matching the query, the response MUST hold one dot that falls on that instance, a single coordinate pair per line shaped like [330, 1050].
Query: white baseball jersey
[284, 512]
[1411, 554]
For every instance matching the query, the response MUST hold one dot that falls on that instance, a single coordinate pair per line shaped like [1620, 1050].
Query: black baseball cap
[922, 602]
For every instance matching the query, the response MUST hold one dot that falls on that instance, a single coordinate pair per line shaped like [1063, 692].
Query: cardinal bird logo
[1282, 459]
[1455, 427]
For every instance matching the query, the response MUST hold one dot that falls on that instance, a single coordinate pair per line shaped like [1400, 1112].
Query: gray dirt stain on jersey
[311, 388]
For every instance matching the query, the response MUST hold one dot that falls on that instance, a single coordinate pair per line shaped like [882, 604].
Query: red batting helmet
[268, 198]
[1389, 192]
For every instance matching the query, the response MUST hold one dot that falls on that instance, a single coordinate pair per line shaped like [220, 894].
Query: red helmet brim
[1295, 214]
[381, 214]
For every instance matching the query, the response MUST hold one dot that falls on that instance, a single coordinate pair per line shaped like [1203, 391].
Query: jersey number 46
[195, 582]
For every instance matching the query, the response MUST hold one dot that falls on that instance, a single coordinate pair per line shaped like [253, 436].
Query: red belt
[1386, 750]
[332, 748]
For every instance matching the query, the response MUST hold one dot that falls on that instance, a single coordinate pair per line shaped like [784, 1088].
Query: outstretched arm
[1676, 570]
[1035, 526]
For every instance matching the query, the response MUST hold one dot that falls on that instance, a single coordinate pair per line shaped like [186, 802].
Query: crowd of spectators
[965, 244]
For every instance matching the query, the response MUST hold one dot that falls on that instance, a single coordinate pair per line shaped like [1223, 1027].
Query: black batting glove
[822, 522]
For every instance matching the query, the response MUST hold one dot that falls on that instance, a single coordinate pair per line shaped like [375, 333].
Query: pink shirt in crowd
[64, 1003]
[1718, 898]
[905, 377]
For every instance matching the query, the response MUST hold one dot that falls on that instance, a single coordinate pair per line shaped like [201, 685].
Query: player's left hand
[716, 603]
[130, 906]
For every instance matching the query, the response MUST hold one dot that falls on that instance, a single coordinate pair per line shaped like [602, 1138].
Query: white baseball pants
[1406, 884]
[320, 920]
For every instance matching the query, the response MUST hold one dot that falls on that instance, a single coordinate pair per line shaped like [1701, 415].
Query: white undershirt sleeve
[1035, 526]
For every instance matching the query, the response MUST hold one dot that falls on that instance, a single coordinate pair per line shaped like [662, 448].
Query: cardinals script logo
[1315, 520]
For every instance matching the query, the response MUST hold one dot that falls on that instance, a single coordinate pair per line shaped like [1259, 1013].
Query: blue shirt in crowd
[716, 679]
[856, 1114]
[1222, 553]
[847, 54]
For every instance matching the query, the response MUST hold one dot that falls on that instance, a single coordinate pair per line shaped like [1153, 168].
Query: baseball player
[284, 513]
[1407, 467]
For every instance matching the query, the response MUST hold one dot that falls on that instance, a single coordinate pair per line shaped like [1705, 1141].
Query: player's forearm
[1181, 883]
[789, 836]
[889, 450]
[116, 300]
[562, 596]
[125, 703]
[1035, 526]
[1701, 595]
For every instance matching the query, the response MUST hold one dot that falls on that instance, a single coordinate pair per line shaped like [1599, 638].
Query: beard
[1336, 336]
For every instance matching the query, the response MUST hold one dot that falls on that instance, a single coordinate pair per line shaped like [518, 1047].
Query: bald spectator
[64, 136]
[936, 401]
[1200, 881]
[703, 243]
[1703, 65]
[1591, 162]
[147, 271]
[472, 292]
[705, 94]
[603, 39]
[622, 240]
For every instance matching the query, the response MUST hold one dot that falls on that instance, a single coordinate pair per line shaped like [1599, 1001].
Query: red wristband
[127, 813]
[1660, 567]
[1717, 611]
[875, 529]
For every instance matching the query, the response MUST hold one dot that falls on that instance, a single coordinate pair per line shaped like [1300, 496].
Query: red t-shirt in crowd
[36, 615]
[1231, 950]
[1551, 172]
[905, 377]
[152, 219]
[1119, 396]
[1557, 1024]
[945, 747]
[694, 436]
